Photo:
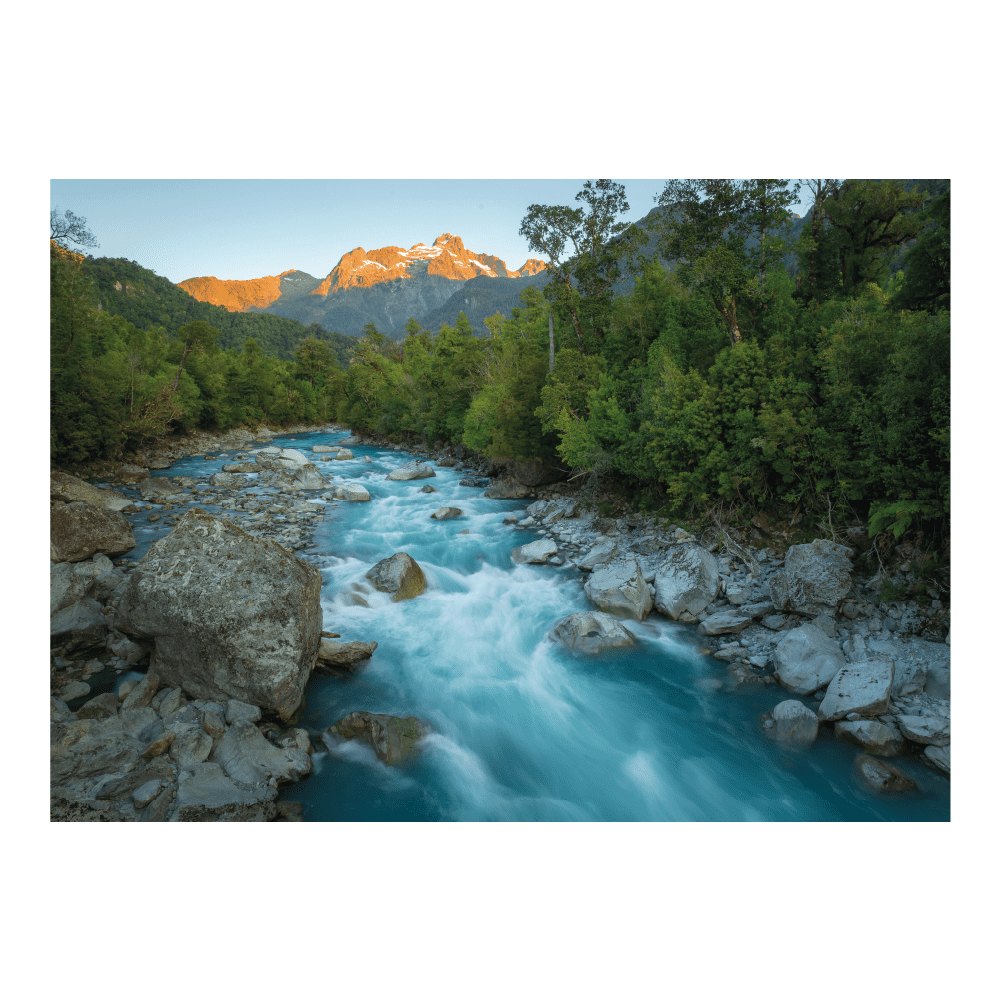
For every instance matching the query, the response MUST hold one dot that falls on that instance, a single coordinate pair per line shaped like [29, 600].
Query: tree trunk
[552, 345]
[180, 368]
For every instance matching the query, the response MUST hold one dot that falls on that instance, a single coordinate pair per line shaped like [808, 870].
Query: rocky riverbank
[193, 739]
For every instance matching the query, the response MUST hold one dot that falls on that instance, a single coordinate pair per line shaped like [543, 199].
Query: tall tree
[67, 226]
[926, 279]
[869, 218]
[704, 227]
[770, 219]
[822, 188]
[580, 281]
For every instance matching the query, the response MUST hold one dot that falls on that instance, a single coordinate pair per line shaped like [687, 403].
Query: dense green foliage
[731, 378]
[117, 385]
[146, 299]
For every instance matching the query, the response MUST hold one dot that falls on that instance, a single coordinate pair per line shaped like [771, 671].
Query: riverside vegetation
[728, 392]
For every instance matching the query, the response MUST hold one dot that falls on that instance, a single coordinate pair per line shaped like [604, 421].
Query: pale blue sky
[250, 228]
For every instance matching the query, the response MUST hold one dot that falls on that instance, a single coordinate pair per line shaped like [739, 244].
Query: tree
[705, 225]
[926, 279]
[869, 218]
[313, 360]
[769, 217]
[195, 336]
[822, 188]
[69, 226]
[581, 282]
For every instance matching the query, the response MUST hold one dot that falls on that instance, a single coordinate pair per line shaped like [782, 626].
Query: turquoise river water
[522, 728]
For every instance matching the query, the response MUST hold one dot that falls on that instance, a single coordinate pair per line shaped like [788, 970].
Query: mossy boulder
[78, 530]
[393, 738]
[399, 575]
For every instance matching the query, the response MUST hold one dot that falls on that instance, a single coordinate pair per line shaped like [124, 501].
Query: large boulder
[398, 575]
[445, 513]
[862, 688]
[816, 576]
[393, 738]
[64, 487]
[344, 454]
[507, 488]
[687, 581]
[414, 470]
[795, 723]
[592, 632]
[806, 659]
[206, 792]
[337, 657]
[78, 530]
[231, 616]
[352, 492]
[295, 476]
[619, 588]
[534, 552]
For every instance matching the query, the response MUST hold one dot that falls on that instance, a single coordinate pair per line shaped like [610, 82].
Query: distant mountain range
[386, 287]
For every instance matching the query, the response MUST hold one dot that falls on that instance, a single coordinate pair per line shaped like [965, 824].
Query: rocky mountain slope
[386, 287]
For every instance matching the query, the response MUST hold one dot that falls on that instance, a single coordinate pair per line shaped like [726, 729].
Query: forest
[758, 364]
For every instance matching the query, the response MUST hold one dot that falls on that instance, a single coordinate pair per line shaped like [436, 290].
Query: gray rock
[725, 623]
[534, 552]
[826, 625]
[507, 488]
[127, 650]
[109, 585]
[686, 581]
[330, 448]
[231, 616]
[99, 707]
[398, 575]
[603, 551]
[343, 454]
[230, 480]
[862, 688]
[66, 587]
[75, 690]
[248, 757]
[338, 657]
[78, 626]
[872, 736]
[938, 683]
[592, 632]
[191, 746]
[773, 621]
[308, 477]
[393, 738]
[757, 609]
[925, 729]
[142, 695]
[909, 679]
[815, 578]
[205, 792]
[939, 757]
[212, 723]
[146, 793]
[880, 776]
[67, 488]
[58, 710]
[619, 588]
[795, 723]
[427, 489]
[414, 470]
[806, 659]
[854, 649]
[78, 530]
[444, 513]
[241, 467]
[159, 488]
[241, 712]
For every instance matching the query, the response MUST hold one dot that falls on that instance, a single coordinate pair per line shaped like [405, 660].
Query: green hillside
[146, 299]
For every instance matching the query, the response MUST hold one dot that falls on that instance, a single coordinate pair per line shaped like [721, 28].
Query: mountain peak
[236, 295]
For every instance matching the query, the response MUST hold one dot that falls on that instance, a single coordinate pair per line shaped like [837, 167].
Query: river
[524, 729]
